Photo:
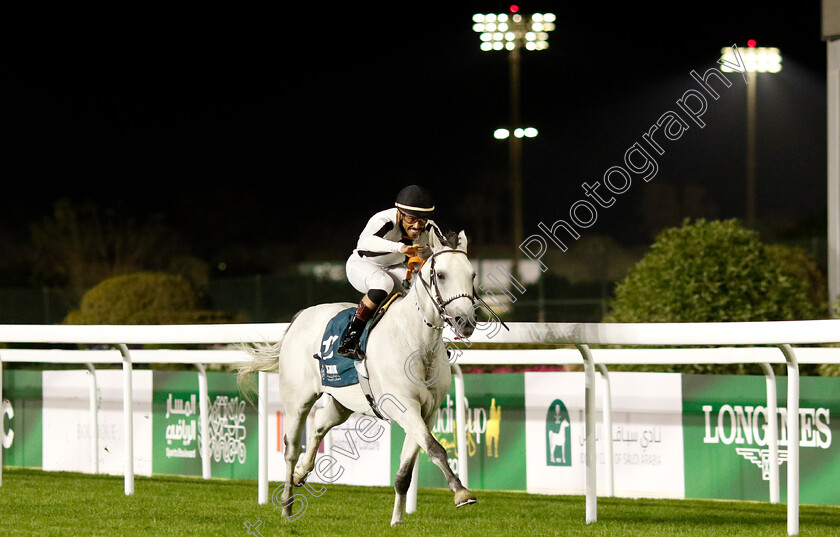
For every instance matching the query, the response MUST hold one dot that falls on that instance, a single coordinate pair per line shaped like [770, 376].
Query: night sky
[250, 128]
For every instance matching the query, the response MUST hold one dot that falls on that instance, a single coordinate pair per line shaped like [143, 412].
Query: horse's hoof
[297, 480]
[464, 497]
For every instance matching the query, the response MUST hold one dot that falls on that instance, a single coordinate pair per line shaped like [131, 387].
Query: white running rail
[780, 334]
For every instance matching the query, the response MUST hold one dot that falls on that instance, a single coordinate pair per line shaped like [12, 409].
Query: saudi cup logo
[558, 435]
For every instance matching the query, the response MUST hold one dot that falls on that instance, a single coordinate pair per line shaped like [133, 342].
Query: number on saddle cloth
[337, 370]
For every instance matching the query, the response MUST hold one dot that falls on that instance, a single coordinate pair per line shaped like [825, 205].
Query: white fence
[782, 335]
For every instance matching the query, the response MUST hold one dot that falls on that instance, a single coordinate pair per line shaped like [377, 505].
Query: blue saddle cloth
[337, 370]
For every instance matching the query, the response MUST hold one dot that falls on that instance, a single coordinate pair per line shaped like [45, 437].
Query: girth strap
[364, 383]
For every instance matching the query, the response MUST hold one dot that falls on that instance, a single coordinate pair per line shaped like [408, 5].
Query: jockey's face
[412, 225]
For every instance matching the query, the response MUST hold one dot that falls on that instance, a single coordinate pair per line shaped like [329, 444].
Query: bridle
[433, 291]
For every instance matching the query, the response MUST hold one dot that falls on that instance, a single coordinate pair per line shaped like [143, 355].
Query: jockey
[388, 240]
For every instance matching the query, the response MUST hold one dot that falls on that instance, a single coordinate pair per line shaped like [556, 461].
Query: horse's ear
[462, 241]
[434, 242]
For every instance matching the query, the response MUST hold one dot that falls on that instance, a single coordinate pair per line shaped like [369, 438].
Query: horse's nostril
[464, 326]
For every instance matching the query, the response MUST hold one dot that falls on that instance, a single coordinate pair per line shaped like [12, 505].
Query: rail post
[128, 419]
[94, 421]
[793, 439]
[204, 420]
[606, 401]
[461, 423]
[772, 432]
[411, 498]
[589, 431]
[262, 402]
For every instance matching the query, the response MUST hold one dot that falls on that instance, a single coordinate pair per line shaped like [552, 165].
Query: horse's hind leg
[295, 417]
[402, 480]
[326, 417]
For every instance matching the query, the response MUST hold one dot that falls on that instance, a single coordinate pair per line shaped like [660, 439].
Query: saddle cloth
[336, 370]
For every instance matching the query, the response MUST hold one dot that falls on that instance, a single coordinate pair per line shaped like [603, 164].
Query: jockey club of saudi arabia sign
[558, 435]
[646, 434]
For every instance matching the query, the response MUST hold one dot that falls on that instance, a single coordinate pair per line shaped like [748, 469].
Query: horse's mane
[450, 239]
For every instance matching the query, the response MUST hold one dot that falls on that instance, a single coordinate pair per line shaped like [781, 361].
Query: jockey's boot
[350, 344]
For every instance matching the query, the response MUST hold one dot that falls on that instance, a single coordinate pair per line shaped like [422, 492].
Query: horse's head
[447, 280]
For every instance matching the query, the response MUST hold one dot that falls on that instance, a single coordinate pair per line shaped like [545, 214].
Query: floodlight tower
[756, 60]
[513, 32]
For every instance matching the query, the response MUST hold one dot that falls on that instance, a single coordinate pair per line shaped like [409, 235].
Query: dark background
[288, 129]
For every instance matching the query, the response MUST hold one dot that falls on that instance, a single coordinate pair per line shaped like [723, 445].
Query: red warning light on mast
[514, 8]
[751, 43]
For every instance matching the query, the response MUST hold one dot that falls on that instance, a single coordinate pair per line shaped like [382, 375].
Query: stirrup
[349, 348]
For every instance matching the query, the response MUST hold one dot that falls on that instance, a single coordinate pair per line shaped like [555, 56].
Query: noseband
[433, 290]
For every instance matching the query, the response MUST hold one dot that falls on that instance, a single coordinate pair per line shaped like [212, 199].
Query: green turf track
[35, 503]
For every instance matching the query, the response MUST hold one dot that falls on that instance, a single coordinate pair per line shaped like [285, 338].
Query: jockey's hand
[414, 250]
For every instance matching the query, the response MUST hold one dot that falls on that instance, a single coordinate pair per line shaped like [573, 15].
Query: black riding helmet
[416, 201]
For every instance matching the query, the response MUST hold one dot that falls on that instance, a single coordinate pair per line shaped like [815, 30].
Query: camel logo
[558, 439]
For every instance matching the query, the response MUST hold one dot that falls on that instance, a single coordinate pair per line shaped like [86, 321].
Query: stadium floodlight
[527, 132]
[755, 60]
[513, 32]
[508, 32]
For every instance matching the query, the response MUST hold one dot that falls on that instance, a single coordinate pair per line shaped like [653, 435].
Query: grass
[57, 504]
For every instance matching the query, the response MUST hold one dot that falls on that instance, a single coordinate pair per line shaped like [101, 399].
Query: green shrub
[143, 298]
[799, 264]
[711, 271]
[717, 271]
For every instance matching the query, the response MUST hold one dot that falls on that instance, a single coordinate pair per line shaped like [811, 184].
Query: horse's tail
[264, 357]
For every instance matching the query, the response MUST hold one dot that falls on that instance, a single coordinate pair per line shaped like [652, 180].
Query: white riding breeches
[365, 275]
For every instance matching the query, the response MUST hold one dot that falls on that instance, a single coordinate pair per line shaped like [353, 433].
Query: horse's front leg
[408, 457]
[414, 426]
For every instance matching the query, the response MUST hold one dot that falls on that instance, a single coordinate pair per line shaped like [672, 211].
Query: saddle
[341, 371]
[378, 314]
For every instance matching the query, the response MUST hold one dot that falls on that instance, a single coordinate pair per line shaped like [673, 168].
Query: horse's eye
[441, 276]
